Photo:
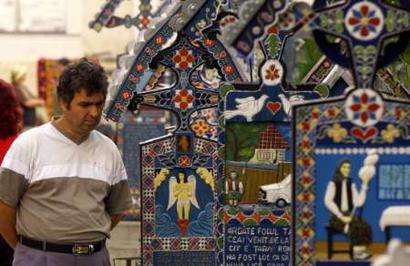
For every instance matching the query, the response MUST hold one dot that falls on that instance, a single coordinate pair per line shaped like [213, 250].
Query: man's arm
[115, 219]
[8, 224]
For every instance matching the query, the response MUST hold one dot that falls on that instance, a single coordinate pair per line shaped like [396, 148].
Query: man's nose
[94, 110]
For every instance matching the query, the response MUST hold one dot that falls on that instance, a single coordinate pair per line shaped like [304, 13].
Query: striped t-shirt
[64, 192]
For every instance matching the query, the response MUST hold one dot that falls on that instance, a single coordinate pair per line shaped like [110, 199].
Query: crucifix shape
[365, 25]
[184, 98]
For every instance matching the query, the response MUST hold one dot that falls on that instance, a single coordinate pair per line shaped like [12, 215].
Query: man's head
[182, 177]
[234, 175]
[81, 92]
[345, 168]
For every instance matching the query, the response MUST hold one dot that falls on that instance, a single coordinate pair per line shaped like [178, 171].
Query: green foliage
[273, 45]
[225, 89]
[322, 90]
[306, 58]
[401, 68]
[241, 140]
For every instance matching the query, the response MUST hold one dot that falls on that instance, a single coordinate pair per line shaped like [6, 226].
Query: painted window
[394, 182]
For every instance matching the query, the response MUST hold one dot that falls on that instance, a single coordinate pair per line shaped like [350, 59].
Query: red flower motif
[272, 73]
[399, 113]
[364, 21]
[209, 43]
[228, 69]
[126, 95]
[144, 21]
[306, 144]
[331, 112]
[159, 40]
[139, 67]
[364, 107]
[200, 127]
[306, 179]
[306, 197]
[184, 161]
[183, 99]
[183, 58]
[306, 162]
[306, 215]
[306, 233]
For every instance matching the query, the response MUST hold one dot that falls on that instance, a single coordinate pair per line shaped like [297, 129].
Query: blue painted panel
[373, 208]
[263, 244]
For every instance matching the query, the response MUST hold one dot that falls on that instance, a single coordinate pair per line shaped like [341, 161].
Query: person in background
[10, 126]
[26, 98]
[63, 185]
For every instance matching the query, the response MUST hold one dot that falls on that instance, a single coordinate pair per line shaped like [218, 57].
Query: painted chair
[330, 244]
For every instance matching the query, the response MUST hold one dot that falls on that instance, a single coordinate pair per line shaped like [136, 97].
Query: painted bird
[247, 107]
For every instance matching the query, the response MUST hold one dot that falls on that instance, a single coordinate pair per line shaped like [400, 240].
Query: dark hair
[83, 75]
[185, 177]
[338, 175]
[10, 111]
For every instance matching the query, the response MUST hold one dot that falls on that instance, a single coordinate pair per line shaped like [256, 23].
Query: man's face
[345, 169]
[234, 175]
[84, 111]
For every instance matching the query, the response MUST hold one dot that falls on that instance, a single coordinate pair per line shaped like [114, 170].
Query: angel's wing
[192, 181]
[171, 198]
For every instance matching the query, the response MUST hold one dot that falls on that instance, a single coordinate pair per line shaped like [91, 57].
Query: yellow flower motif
[337, 133]
[390, 133]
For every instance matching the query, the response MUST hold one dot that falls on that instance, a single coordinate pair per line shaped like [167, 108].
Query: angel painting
[182, 191]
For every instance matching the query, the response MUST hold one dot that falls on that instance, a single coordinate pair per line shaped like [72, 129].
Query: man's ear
[63, 105]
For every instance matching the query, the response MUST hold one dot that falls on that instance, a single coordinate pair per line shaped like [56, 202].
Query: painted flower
[183, 99]
[364, 20]
[331, 112]
[144, 21]
[306, 145]
[390, 133]
[272, 73]
[364, 107]
[200, 127]
[159, 40]
[209, 42]
[183, 58]
[399, 113]
[337, 133]
[184, 161]
[228, 69]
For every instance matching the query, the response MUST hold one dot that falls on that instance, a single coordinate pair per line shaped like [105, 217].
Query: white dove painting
[247, 107]
[287, 103]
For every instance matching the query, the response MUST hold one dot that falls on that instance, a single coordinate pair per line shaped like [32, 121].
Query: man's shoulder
[102, 140]
[31, 135]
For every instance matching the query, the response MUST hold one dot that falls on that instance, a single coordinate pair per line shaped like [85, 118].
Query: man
[341, 198]
[233, 189]
[63, 185]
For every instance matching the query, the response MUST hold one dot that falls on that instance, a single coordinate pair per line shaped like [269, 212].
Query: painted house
[271, 148]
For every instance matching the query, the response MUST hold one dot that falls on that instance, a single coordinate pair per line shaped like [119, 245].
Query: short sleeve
[13, 173]
[119, 197]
